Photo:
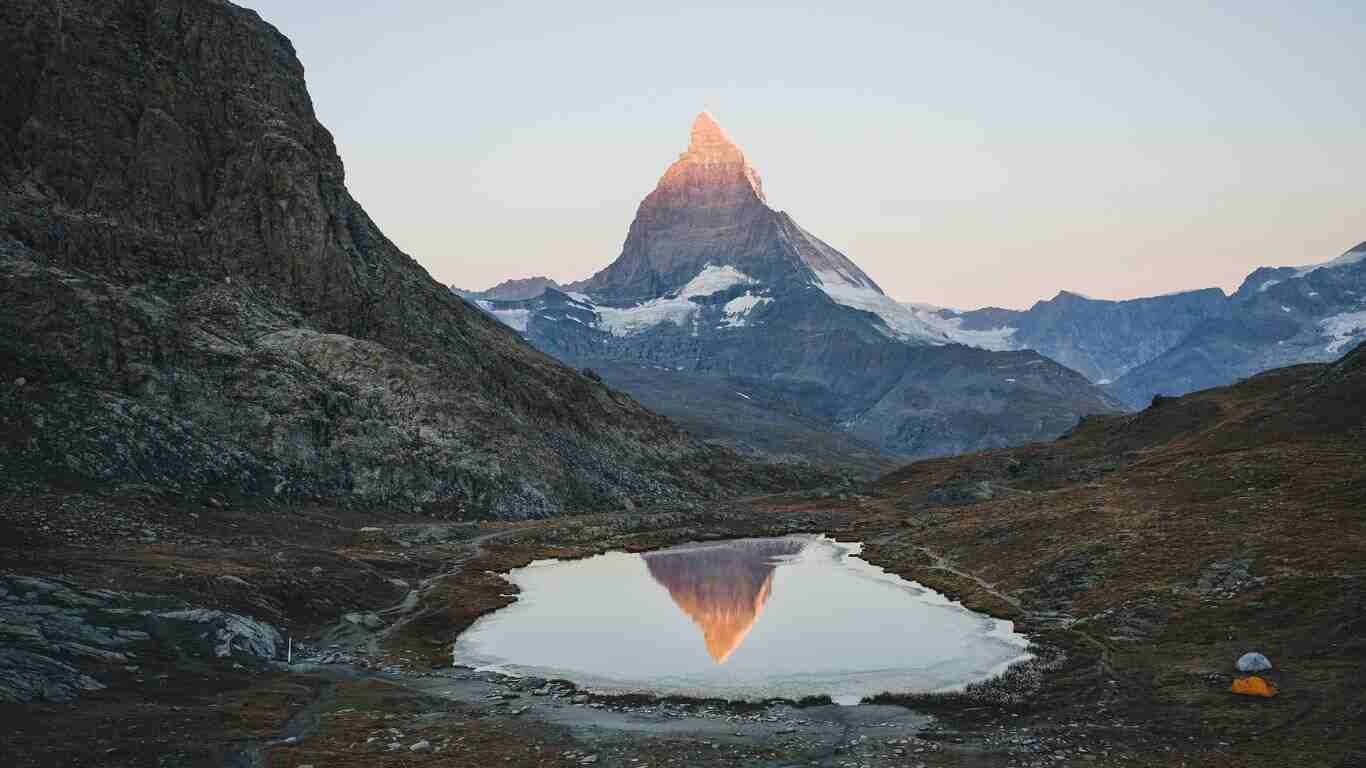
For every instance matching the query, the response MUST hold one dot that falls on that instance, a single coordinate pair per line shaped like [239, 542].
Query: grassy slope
[1108, 532]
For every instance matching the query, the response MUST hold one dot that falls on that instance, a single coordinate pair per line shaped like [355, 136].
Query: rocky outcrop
[191, 297]
[58, 639]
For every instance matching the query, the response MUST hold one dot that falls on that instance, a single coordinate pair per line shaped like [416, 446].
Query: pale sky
[963, 154]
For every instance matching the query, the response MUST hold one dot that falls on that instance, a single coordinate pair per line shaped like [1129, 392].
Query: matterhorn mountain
[726, 315]
[708, 225]
[722, 587]
[1187, 341]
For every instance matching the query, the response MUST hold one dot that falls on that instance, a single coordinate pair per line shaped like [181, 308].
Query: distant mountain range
[714, 283]
[714, 289]
[1183, 342]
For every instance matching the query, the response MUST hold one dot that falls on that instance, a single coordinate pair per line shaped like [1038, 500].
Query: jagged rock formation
[712, 282]
[722, 587]
[191, 297]
[1182, 342]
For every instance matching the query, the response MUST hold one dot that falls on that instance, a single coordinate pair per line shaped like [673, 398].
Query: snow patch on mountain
[737, 309]
[513, 318]
[1000, 339]
[851, 292]
[1342, 329]
[677, 308]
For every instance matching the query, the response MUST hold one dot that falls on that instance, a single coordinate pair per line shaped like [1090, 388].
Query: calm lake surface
[744, 619]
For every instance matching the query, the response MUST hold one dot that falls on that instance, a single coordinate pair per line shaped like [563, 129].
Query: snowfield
[738, 309]
[678, 308]
[900, 321]
[993, 339]
[1343, 329]
[513, 318]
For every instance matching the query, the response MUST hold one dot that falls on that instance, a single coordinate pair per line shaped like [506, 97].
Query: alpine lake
[743, 620]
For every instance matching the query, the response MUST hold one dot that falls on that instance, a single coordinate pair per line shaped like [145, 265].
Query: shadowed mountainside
[191, 297]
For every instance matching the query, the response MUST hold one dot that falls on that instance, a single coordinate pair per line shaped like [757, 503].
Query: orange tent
[1253, 686]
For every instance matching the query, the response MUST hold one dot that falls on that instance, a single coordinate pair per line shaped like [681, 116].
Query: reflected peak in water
[791, 617]
[723, 586]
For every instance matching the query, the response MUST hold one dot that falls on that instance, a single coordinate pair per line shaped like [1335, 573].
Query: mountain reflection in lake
[722, 587]
[788, 617]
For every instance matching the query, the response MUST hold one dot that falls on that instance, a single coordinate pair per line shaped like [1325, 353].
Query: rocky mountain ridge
[1185, 341]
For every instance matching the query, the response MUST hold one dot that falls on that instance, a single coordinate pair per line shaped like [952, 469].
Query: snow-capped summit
[709, 210]
[715, 291]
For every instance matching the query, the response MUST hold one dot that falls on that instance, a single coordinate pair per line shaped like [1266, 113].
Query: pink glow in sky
[963, 154]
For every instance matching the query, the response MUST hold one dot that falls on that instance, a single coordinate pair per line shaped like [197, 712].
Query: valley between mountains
[261, 470]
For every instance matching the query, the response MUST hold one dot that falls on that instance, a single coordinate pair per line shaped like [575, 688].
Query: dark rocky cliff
[191, 297]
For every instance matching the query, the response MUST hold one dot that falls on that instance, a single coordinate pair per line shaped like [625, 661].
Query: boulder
[228, 634]
[369, 535]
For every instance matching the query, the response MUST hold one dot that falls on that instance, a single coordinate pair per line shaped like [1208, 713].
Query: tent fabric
[1253, 662]
[1253, 686]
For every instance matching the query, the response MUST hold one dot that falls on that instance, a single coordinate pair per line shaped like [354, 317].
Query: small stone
[421, 746]
[21, 381]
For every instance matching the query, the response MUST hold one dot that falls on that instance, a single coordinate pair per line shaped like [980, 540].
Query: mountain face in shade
[713, 282]
[1182, 342]
[721, 587]
[191, 299]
